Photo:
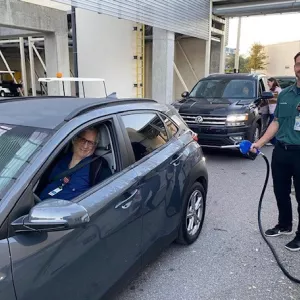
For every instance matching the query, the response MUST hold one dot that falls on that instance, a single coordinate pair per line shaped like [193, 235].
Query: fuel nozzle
[245, 147]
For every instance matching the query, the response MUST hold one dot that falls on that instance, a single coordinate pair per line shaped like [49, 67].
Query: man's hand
[270, 133]
[255, 146]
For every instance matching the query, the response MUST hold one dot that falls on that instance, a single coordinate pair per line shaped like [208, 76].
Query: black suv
[285, 81]
[224, 109]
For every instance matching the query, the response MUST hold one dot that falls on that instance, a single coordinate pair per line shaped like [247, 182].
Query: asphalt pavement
[230, 260]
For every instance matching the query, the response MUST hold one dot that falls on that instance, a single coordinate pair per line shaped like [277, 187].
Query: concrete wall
[105, 51]
[215, 54]
[281, 58]
[49, 3]
[195, 51]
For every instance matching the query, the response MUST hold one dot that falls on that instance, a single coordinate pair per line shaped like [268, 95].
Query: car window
[224, 88]
[146, 132]
[18, 144]
[170, 125]
[89, 158]
[261, 86]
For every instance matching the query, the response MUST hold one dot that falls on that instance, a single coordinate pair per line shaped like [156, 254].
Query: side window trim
[127, 139]
[171, 135]
[60, 147]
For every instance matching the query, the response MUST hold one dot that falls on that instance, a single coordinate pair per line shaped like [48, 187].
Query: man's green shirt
[286, 113]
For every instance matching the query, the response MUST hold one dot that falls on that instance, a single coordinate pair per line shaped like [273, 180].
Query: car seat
[104, 147]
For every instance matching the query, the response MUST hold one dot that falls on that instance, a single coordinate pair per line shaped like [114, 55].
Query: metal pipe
[188, 61]
[23, 67]
[39, 57]
[180, 77]
[31, 60]
[257, 8]
[75, 54]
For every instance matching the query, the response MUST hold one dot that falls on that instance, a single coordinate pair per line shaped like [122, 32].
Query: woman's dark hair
[275, 83]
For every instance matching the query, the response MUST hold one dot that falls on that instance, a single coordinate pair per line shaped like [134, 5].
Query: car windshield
[18, 145]
[224, 88]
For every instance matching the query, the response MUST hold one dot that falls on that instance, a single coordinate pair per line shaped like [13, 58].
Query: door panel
[83, 263]
[6, 282]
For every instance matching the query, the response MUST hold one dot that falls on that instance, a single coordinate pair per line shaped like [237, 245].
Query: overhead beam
[257, 8]
[22, 15]
[12, 33]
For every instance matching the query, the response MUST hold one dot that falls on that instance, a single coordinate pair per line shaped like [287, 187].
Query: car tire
[188, 235]
[2, 94]
[255, 133]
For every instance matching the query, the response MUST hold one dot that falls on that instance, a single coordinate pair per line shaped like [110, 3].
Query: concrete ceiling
[236, 8]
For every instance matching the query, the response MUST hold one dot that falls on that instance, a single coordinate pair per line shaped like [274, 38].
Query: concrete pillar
[208, 42]
[162, 65]
[222, 54]
[57, 60]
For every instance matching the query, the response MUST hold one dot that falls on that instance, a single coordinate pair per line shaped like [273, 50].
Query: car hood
[211, 106]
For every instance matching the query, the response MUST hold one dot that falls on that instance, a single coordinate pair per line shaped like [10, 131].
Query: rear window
[18, 145]
[224, 88]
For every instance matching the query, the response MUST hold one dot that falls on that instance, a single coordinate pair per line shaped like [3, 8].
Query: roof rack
[104, 102]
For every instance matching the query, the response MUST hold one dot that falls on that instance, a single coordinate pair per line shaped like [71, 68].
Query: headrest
[104, 142]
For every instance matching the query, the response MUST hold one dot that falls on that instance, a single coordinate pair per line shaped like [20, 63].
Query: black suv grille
[204, 120]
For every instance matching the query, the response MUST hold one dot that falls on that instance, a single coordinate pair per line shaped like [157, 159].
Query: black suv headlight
[236, 119]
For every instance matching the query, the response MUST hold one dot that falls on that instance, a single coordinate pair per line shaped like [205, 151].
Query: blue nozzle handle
[245, 147]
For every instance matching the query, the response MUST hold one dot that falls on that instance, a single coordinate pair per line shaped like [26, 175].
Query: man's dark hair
[297, 55]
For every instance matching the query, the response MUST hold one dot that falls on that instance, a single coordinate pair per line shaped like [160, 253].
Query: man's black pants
[285, 166]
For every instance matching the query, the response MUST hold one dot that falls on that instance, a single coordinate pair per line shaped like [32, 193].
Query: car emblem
[199, 119]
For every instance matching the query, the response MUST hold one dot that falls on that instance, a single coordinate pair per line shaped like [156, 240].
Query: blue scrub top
[78, 184]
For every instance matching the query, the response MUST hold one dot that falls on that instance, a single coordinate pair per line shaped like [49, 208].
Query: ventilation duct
[257, 8]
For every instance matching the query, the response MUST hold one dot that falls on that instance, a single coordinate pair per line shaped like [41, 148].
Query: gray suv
[84, 248]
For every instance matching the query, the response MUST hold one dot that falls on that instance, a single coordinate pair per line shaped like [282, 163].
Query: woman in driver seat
[77, 171]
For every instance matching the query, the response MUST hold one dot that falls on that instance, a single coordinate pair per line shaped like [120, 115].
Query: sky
[266, 30]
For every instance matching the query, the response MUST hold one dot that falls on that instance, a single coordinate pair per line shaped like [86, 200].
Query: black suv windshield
[224, 88]
[18, 144]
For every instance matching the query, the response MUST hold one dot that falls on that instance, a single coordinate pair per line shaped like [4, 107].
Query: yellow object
[140, 60]
[59, 75]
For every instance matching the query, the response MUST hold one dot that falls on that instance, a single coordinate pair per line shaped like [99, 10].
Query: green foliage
[257, 58]
[243, 64]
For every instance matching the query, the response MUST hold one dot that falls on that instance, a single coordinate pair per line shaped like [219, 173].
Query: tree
[257, 58]
[243, 61]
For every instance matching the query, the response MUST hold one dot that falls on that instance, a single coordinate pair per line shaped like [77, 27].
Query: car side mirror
[52, 215]
[267, 95]
[185, 94]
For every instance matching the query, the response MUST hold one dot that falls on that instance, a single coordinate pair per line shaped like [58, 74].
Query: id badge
[297, 123]
[56, 191]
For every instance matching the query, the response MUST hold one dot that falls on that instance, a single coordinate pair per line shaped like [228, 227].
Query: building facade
[141, 48]
[280, 61]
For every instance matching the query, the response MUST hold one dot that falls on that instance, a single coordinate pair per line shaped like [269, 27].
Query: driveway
[230, 260]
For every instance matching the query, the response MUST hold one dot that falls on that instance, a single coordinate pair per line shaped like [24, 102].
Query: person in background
[276, 90]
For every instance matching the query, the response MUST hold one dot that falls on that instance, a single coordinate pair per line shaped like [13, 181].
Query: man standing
[286, 157]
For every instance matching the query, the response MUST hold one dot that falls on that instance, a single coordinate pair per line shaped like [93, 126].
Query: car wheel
[2, 94]
[255, 133]
[193, 214]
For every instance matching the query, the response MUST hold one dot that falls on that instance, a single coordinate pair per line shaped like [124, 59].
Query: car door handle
[127, 202]
[176, 161]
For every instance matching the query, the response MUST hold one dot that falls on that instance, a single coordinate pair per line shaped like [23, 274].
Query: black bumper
[216, 138]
